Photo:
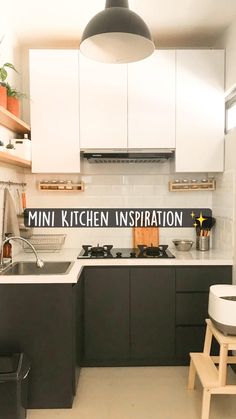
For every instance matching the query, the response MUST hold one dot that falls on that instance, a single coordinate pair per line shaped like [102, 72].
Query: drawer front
[200, 278]
[191, 308]
[191, 339]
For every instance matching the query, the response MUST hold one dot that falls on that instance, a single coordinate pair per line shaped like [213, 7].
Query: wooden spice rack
[61, 187]
[210, 185]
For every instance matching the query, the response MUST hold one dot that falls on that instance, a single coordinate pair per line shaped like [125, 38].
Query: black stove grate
[108, 252]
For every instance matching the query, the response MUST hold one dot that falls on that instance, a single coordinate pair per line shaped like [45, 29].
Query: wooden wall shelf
[14, 160]
[192, 186]
[10, 121]
[61, 187]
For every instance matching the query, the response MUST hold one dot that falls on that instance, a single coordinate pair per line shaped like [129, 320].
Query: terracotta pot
[13, 105]
[3, 96]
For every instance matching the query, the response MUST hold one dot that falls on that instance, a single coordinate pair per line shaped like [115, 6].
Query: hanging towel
[10, 222]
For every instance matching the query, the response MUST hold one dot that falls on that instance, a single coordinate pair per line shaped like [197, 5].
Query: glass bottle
[7, 248]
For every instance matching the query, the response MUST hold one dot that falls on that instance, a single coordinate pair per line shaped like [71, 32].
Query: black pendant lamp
[117, 35]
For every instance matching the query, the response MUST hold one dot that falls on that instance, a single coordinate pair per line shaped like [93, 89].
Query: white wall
[223, 203]
[224, 199]
[9, 52]
[228, 41]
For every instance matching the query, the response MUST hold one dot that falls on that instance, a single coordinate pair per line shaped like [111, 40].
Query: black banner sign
[115, 217]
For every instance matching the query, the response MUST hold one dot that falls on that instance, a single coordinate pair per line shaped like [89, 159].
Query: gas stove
[109, 252]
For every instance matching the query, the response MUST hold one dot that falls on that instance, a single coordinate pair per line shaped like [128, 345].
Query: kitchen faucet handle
[39, 263]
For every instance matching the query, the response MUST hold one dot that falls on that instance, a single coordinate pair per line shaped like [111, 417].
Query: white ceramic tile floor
[139, 393]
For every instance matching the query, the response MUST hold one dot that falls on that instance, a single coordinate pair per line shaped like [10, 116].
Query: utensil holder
[203, 243]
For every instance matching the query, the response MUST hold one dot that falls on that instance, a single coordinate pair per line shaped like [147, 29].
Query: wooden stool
[213, 379]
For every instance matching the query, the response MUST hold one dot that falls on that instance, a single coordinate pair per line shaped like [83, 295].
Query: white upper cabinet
[200, 111]
[151, 101]
[103, 105]
[54, 106]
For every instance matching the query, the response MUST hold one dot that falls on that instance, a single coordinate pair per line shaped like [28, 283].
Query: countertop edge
[192, 258]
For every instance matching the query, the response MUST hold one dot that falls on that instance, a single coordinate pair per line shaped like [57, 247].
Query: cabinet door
[189, 339]
[54, 108]
[200, 111]
[38, 319]
[106, 314]
[103, 105]
[151, 101]
[192, 292]
[191, 308]
[200, 278]
[78, 311]
[152, 313]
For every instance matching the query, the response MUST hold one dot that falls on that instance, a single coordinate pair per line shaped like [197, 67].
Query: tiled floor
[139, 393]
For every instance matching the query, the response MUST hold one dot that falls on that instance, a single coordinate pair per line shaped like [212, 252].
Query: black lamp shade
[117, 35]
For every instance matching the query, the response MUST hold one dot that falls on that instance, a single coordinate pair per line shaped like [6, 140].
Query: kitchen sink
[30, 268]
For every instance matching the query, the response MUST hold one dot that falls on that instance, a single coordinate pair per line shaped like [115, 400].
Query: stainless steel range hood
[119, 156]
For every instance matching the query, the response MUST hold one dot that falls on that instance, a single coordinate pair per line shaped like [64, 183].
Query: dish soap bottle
[7, 250]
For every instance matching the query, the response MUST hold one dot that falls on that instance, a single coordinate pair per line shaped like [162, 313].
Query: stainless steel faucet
[39, 262]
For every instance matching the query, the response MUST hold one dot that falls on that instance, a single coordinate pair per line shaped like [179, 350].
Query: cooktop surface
[110, 252]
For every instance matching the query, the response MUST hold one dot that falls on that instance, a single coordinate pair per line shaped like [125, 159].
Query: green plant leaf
[12, 92]
[10, 66]
[3, 73]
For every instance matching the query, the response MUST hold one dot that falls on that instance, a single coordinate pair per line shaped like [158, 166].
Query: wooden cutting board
[145, 235]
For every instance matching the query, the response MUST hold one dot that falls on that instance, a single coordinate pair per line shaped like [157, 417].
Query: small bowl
[183, 245]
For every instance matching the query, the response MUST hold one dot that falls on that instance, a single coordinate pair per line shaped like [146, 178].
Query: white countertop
[191, 258]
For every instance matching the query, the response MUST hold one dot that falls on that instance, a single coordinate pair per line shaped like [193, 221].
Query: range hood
[149, 156]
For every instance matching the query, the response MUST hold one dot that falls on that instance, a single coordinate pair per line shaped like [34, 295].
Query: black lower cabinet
[147, 315]
[189, 339]
[40, 320]
[152, 314]
[192, 293]
[78, 335]
[113, 316]
[123, 316]
[106, 315]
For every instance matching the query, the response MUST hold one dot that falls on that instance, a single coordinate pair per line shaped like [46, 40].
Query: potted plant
[3, 85]
[13, 100]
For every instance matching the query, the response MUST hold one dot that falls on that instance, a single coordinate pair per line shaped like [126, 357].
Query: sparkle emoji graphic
[201, 219]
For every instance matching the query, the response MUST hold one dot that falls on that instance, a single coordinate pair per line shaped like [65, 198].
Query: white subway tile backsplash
[119, 186]
[144, 179]
[144, 190]
[103, 179]
[15, 175]
[223, 206]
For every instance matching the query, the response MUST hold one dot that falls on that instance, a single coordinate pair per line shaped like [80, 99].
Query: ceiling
[173, 23]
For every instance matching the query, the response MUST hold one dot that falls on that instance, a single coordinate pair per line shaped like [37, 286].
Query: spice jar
[69, 185]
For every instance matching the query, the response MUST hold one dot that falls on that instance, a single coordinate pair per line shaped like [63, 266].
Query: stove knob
[132, 254]
[118, 254]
